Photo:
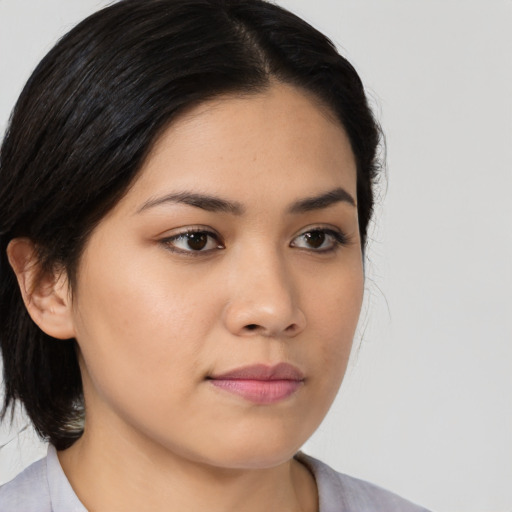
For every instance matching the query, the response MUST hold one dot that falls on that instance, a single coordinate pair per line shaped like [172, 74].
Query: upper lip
[281, 371]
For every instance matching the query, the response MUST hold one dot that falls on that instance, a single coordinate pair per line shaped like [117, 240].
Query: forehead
[250, 146]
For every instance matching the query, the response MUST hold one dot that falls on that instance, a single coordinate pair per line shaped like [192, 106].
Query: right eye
[193, 242]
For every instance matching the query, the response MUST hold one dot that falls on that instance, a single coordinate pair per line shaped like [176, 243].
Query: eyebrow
[203, 201]
[216, 204]
[338, 195]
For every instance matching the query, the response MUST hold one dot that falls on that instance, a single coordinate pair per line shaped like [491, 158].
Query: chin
[259, 459]
[257, 450]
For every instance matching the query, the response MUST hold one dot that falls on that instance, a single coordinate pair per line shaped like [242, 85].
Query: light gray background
[426, 408]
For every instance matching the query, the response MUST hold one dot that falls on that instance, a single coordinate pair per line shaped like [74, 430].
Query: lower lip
[259, 391]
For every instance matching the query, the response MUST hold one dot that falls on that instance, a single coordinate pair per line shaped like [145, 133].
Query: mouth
[260, 384]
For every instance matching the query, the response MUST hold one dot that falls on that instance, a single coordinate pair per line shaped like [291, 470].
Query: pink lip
[259, 383]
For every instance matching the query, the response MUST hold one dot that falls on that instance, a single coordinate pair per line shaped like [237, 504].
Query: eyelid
[339, 236]
[182, 232]
[194, 228]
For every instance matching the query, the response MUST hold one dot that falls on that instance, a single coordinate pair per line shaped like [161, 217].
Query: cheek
[139, 329]
[333, 318]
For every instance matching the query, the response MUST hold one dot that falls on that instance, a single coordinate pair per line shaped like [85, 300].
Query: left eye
[193, 241]
[320, 240]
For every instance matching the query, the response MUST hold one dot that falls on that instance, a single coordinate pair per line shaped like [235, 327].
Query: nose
[263, 299]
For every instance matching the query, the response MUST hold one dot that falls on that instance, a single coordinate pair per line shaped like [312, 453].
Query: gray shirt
[43, 487]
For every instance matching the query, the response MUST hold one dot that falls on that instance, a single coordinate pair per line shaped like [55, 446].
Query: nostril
[251, 327]
[292, 328]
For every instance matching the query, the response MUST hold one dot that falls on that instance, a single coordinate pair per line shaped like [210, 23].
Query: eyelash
[337, 240]
[187, 235]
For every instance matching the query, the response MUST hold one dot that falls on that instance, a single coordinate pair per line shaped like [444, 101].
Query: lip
[260, 384]
[281, 371]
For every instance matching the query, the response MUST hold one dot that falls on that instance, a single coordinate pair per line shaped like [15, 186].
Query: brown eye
[319, 240]
[193, 242]
[197, 241]
[314, 239]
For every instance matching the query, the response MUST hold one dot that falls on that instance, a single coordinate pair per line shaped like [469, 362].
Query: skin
[153, 319]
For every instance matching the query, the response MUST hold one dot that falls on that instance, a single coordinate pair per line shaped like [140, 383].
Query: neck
[125, 474]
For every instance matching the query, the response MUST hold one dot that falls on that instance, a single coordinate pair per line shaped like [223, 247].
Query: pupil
[315, 238]
[197, 241]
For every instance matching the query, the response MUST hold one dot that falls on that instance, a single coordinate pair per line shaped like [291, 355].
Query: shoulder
[42, 487]
[28, 492]
[338, 492]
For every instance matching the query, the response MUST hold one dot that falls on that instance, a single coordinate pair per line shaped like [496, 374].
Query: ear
[46, 295]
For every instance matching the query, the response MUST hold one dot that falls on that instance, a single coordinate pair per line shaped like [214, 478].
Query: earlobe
[46, 294]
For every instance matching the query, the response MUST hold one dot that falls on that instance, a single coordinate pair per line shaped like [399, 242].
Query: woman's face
[216, 304]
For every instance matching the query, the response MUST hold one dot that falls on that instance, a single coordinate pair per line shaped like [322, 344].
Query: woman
[186, 190]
